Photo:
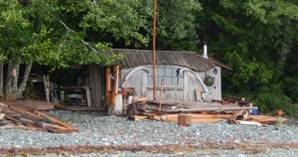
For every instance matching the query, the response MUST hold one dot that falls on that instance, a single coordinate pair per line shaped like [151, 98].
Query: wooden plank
[211, 109]
[54, 120]
[95, 85]
[195, 118]
[33, 104]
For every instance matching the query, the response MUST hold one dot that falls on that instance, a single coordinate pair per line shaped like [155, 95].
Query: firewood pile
[187, 114]
[31, 119]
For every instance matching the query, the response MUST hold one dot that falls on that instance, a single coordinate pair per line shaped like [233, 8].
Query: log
[263, 119]
[240, 115]
[184, 120]
[137, 118]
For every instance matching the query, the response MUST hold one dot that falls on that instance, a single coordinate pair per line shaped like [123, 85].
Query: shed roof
[189, 59]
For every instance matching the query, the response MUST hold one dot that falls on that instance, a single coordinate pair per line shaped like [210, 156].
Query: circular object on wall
[215, 71]
[209, 81]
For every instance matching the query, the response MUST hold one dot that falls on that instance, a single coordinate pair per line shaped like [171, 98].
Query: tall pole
[154, 49]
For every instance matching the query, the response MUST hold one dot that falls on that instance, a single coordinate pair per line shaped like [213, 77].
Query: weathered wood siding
[137, 81]
[95, 82]
[215, 89]
[188, 90]
[192, 88]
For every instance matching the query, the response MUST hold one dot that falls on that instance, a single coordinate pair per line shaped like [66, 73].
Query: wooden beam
[116, 71]
[116, 81]
[108, 85]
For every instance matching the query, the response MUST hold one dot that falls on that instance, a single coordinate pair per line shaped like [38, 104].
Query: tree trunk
[1, 79]
[23, 84]
[15, 76]
[8, 81]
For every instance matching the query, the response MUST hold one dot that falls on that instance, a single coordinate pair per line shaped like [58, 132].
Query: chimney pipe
[205, 54]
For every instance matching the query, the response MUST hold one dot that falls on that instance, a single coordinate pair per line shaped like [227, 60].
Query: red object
[123, 92]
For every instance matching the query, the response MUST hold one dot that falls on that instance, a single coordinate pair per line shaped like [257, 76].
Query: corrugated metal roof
[192, 60]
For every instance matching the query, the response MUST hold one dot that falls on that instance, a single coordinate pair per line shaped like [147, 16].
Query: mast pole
[154, 49]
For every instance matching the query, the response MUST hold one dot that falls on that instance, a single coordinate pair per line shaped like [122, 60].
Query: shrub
[272, 101]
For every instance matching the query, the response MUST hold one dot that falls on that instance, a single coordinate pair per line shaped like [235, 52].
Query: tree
[44, 32]
[251, 36]
[177, 24]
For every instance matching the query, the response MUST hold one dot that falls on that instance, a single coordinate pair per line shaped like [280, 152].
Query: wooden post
[160, 95]
[88, 96]
[116, 85]
[116, 81]
[46, 81]
[108, 85]
[154, 49]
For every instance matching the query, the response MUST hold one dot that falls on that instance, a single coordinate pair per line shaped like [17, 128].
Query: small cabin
[180, 76]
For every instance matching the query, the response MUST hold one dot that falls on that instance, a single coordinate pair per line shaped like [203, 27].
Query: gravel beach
[96, 129]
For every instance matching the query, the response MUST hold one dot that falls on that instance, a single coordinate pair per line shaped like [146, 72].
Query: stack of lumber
[155, 107]
[188, 114]
[34, 104]
[31, 119]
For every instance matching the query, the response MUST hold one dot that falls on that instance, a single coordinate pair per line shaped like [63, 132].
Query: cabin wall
[184, 87]
[215, 89]
[138, 81]
[192, 88]
[96, 85]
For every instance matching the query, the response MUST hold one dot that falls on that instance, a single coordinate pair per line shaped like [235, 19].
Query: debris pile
[31, 119]
[186, 114]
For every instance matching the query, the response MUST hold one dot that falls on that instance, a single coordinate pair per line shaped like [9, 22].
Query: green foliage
[247, 76]
[177, 24]
[120, 18]
[270, 102]
[254, 37]
[43, 32]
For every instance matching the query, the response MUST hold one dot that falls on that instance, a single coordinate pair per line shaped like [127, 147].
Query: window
[170, 76]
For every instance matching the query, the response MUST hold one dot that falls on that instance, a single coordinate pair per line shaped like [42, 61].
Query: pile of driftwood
[188, 114]
[31, 119]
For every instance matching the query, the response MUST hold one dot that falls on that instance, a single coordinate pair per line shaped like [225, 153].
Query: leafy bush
[291, 84]
[272, 101]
